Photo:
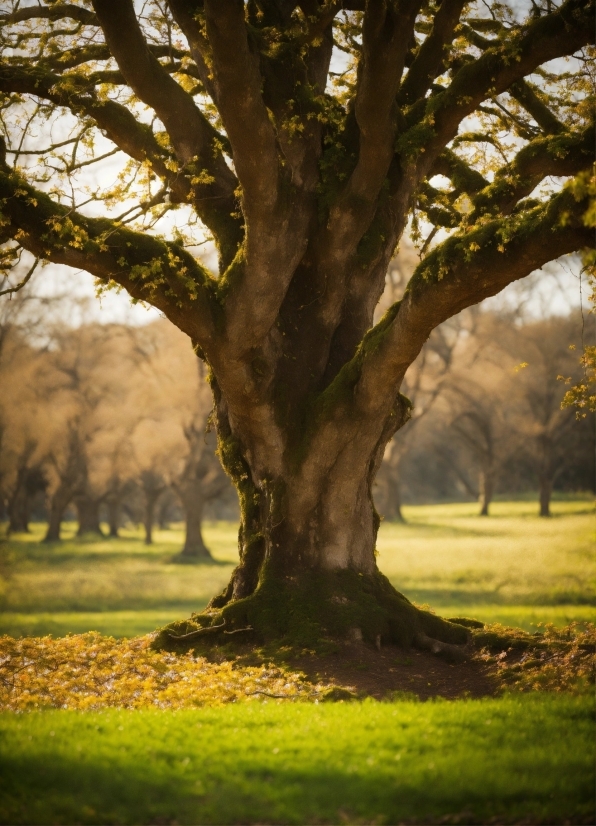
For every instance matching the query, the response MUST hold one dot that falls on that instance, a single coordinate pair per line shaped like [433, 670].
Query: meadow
[267, 760]
[512, 567]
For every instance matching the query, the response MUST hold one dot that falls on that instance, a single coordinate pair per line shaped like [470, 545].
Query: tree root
[315, 612]
[447, 651]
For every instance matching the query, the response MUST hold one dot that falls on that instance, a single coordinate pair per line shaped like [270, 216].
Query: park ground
[497, 758]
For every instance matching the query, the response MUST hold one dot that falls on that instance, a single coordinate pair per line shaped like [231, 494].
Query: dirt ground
[366, 671]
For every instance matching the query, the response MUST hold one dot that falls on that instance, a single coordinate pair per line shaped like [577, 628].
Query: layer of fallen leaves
[90, 671]
[554, 659]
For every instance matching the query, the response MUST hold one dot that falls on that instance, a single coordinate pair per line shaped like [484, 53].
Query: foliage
[556, 659]
[88, 671]
[518, 759]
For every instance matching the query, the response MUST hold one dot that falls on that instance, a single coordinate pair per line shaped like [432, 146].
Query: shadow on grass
[164, 789]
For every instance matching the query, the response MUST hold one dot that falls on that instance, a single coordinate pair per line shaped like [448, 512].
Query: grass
[353, 763]
[513, 568]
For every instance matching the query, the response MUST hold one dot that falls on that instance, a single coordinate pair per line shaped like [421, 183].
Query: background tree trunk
[487, 487]
[193, 503]
[88, 515]
[19, 504]
[113, 506]
[58, 504]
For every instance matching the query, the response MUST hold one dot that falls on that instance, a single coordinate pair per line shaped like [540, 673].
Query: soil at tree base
[394, 671]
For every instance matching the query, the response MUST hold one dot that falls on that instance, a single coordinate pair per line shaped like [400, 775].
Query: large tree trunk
[487, 488]
[88, 515]
[307, 567]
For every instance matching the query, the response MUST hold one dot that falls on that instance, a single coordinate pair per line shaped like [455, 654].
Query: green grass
[513, 568]
[266, 763]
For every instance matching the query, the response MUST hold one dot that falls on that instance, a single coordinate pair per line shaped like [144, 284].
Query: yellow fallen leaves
[89, 671]
[558, 659]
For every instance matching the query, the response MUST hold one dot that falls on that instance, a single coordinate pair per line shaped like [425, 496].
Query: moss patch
[310, 612]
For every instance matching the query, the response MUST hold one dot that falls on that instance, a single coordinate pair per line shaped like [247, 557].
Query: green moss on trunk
[310, 611]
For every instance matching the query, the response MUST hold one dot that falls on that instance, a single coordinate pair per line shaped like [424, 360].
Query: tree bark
[88, 515]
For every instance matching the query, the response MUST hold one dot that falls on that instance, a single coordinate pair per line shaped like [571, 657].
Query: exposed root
[316, 611]
[448, 651]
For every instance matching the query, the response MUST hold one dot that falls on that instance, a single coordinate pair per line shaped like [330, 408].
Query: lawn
[465, 762]
[513, 568]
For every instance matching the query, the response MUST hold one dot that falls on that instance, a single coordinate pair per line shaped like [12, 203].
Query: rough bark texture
[307, 194]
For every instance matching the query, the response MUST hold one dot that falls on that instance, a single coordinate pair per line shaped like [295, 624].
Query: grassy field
[513, 568]
[464, 762]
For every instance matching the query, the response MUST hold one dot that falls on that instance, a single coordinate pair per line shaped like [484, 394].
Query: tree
[543, 421]
[305, 176]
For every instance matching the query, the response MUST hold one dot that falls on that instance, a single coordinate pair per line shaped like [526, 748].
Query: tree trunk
[487, 486]
[193, 503]
[19, 505]
[113, 516]
[58, 504]
[307, 567]
[546, 490]
[393, 507]
[88, 515]
[149, 520]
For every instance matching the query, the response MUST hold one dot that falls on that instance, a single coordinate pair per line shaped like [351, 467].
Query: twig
[198, 633]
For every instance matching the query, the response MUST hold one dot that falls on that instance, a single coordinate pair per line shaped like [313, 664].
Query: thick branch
[560, 156]
[428, 62]
[523, 92]
[57, 11]
[558, 34]
[194, 139]
[160, 273]
[463, 271]
[237, 82]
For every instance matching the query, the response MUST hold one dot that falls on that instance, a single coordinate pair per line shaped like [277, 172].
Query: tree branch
[237, 84]
[523, 92]
[195, 141]
[160, 273]
[57, 11]
[21, 283]
[464, 270]
[560, 156]
[429, 60]
[555, 35]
